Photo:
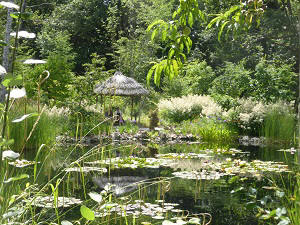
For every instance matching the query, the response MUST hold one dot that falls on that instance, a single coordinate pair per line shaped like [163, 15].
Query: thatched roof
[120, 85]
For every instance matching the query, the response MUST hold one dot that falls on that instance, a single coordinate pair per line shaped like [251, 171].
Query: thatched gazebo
[120, 85]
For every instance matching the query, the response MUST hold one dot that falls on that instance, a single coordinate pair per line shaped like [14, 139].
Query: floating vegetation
[195, 175]
[138, 208]
[182, 156]
[133, 162]
[48, 202]
[255, 167]
[208, 153]
[22, 163]
[86, 169]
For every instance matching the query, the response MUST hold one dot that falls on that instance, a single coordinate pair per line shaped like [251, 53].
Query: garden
[149, 112]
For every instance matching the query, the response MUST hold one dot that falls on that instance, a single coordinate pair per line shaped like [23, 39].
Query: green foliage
[233, 81]
[199, 76]
[177, 34]
[273, 82]
[83, 86]
[128, 128]
[57, 86]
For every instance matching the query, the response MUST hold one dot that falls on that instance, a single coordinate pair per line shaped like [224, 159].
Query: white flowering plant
[188, 108]
[249, 115]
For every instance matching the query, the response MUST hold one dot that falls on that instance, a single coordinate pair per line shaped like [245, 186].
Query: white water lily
[9, 5]
[18, 93]
[34, 61]
[23, 34]
[2, 70]
[9, 154]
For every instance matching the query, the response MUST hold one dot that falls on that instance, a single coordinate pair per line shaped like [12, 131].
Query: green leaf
[2, 43]
[87, 213]
[164, 35]
[10, 80]
[175, 67]
[20, 119]
[221, 30]
[171, 53]
[157, 74]
[153, 34]
[150, 72]
[191, 19]
[212, 22]
[15, 15]
[20, 177]
[154, 24]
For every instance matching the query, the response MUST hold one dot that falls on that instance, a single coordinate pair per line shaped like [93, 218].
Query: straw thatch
[120, 85]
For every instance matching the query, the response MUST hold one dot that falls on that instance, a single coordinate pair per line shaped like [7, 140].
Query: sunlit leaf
[194, 221]
[153, 34]
[150, 72]
[10, 154]
[9, 5]
[20, 177]
[96, 197]
[23, 34]
[17, 93]
[2, 70]
[190, 19]
[34, 61]
[221, 30]
[168, 222]
[66, 222]
[24, 117]
[87, 213]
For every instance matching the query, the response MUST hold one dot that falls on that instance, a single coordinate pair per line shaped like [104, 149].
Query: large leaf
[87, 213]
[25, 117]
[10, 154]
[9, 5]
[66, 222]
[20, 177]
[17, 93]
[96, 197]
[2, 70]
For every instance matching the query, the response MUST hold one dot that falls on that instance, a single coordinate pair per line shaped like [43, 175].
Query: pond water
[152, 183]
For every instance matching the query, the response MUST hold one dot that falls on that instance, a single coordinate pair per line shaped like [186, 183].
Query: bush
[249, 115]
[188, 108]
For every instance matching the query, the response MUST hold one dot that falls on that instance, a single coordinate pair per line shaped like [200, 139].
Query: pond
[150, 183]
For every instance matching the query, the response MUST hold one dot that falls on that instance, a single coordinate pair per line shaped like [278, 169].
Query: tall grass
[209, 130]
[279, 127]
[30, 133]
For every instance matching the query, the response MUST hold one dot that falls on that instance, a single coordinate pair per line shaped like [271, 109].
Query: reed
[279, 127]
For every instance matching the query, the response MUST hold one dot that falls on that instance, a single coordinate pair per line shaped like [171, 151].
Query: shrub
[188, 108]
[249, 115]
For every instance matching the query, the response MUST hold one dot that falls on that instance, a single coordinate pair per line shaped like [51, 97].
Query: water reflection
[119, 185]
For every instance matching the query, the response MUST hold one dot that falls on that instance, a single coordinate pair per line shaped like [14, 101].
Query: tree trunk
[6, 62]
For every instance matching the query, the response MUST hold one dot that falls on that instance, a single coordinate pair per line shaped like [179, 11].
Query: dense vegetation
[216, 70]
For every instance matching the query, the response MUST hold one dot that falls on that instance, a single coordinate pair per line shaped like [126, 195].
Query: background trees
[259, 63]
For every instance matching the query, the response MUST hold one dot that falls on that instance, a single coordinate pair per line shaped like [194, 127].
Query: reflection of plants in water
[266, 205]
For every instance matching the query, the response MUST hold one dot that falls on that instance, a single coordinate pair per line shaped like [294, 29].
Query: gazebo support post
[131, 114]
